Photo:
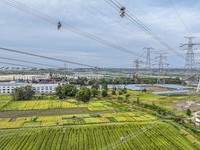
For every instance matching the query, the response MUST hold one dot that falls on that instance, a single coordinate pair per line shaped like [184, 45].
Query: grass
[31, 124]
[159, 100]
[96, 120]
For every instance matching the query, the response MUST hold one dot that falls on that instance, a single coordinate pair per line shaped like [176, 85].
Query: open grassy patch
[32, 124]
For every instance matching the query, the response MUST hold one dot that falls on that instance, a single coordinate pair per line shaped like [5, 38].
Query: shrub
[34, 118]
[104, 93]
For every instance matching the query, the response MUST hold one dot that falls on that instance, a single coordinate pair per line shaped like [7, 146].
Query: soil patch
[189, 104]
[49, 112]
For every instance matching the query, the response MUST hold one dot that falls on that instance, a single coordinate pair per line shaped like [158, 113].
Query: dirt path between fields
[49, 112]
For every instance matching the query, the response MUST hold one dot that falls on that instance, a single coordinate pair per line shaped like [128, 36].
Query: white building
[8, 88]
[23, 77]
[44, 88]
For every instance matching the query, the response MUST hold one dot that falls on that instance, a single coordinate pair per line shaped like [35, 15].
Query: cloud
[23, 31]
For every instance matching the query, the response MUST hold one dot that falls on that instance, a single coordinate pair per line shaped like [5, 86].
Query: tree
[104, 93]
[83, 94]
[120, 92]
[124, 90]
[144, 90]
[23, 93]
[120, 99]
[138, 100]
[105, 86]
[96, 86]
[91, 81]
[66, 90]
[113, 92]
[82, 81]
[127, 96]
[188, 112]
[94, 92]
[177, 117]
[114, 88]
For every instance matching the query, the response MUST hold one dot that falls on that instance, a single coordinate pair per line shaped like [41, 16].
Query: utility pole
[190, 59]
[148, 59]
[65, 74]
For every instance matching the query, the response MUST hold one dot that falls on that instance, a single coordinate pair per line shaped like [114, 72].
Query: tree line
[123, 80]
[84, 94]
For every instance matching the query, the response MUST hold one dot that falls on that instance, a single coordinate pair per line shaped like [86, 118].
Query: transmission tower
[136, 65]
[161, 62]
[190, 59]
[148, 59]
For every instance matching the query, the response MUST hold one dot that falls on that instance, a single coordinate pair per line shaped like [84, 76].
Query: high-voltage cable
[66, 26]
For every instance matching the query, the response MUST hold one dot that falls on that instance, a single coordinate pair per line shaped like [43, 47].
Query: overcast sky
[24, 32]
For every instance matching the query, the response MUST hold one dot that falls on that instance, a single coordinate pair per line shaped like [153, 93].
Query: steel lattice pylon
[190, 59]
[148, 59]
[136, 64]
[161, 62]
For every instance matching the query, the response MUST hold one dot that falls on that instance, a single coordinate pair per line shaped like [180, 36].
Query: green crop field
[96, 137]
[163, 101]
[90, 131]
[4, 100]
[52, 104]
[79, 119]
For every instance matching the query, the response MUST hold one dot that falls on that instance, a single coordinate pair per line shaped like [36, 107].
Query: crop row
[162, 136]
[4, 100]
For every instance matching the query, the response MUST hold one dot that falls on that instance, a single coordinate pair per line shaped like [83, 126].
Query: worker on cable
[122, 11]
[59, 25]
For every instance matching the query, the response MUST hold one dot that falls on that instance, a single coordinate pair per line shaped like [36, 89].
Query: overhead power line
[28, 62]
[45, 57]
[123, 26]
[116, 5]
[66, 26]
[186, 27]
[15, 64]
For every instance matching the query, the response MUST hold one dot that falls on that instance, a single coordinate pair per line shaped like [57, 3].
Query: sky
[24, 32]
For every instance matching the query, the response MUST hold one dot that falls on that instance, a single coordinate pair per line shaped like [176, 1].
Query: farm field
[75, 119]
[96, 125]
[142, 135]
[166, 102]
[46, 112]
[4, 100]
[53, 104]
